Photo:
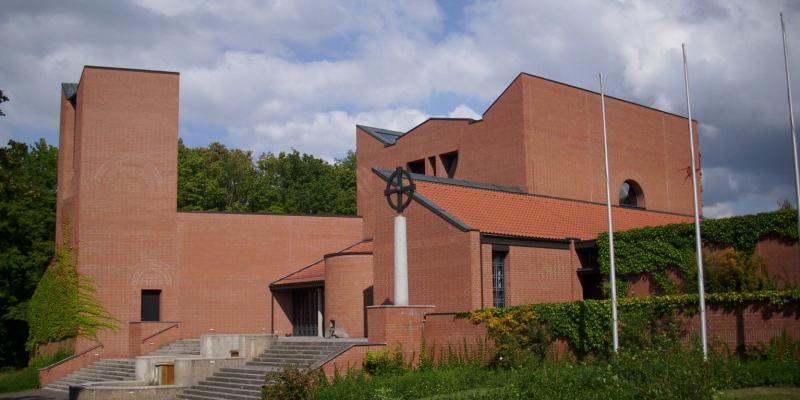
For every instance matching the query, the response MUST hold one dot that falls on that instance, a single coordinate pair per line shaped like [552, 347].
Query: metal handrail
[174, 325]
[99, 345]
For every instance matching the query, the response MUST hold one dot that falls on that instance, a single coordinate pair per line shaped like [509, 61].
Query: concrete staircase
[245, 382]
[99, 371]
[179, 348]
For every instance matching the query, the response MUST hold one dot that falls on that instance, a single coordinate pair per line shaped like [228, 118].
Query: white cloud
[276, 75]
[718, 210]
[463, 111]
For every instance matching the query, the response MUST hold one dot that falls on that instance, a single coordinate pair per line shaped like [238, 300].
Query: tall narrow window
[151, 305]
[498, 279]
[450, 163]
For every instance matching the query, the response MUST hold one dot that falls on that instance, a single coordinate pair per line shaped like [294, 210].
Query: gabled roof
[494, 210]
[314, 274]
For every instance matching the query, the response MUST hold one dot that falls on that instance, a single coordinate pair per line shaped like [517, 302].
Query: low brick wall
[350, 359]
[445, 335]
[67, 366]
[751, 324]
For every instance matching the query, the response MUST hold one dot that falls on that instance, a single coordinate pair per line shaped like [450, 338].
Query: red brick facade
[222, 273]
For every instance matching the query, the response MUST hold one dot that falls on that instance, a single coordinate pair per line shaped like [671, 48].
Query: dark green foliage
[27, 232]
[586, 324]
[386, 362]
[216, 178]
[654, 250]
[63, 304]
[735, 271]
[291, 384]
[28, 378]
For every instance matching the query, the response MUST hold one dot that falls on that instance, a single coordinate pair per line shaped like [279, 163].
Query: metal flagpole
[698, 241]
[791, 120]
[614, 318]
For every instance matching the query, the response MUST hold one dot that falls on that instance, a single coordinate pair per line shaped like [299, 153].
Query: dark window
[432, 160]
[417, 167]
[630, 194]
[498, 279]
[450, 163]
[151, 305]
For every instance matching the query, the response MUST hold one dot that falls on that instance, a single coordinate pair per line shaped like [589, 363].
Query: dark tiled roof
[386, 136]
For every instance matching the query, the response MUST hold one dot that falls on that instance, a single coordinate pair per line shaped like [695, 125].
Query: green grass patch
[28, 378]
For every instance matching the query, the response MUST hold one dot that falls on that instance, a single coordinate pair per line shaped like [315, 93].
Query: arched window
[631, 195]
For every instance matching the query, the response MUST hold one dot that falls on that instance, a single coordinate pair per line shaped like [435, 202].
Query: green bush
[735, 271]
[290, 384]
[385, 362]
[656, 250]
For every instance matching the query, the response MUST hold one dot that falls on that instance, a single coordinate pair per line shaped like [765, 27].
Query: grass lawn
[762, 393]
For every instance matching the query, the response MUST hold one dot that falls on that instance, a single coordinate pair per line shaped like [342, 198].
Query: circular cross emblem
[397, 194]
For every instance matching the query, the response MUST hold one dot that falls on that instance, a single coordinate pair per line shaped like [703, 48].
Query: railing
[174, 325]
[55, 364]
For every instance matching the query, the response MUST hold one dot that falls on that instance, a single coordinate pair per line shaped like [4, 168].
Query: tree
[3, 99]
[216, 178]
[27, 234]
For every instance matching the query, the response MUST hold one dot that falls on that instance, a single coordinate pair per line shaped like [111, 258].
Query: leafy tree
[3, 99]
[27, 233]
[216, 178]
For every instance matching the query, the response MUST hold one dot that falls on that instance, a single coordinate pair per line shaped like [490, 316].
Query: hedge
[586, 324]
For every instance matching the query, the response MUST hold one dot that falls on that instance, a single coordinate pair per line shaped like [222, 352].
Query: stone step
[227, 389]
[286, 357]
[280, 350]
[99, 371]
[217, 395]
[235, 381]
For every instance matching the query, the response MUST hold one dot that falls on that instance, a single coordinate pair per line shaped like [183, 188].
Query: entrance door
[306, 311]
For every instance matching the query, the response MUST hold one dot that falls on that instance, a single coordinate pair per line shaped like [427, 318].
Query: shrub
[385, 362]
[735, 271]
[28, 378]
[290, 384]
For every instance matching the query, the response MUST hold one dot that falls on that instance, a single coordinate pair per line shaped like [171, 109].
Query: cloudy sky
[276, 75]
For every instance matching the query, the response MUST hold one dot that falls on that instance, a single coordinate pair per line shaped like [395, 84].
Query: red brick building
[504, 211]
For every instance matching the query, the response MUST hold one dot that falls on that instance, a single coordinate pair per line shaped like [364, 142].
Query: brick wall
[443, 261]
[348, 290]
[540, 275]
[227, 262]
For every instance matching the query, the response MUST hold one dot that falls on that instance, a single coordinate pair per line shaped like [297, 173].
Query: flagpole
[791, 120]
[698, 241]
[614, 317]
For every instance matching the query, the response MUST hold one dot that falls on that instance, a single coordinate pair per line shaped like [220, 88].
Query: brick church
[506, 212]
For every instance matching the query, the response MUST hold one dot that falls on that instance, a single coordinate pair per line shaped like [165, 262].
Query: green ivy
[654, 250]
[586, 324]
[63, 304]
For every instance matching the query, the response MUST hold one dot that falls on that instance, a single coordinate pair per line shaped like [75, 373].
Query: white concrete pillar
[400, 262]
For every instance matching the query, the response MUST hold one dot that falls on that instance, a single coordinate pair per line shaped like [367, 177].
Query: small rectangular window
[416, 167]
[498, 279]
[450, 163]
[151, 305]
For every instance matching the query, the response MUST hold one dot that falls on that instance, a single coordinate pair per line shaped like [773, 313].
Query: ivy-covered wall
[63, 304]
[586, 325]
[655, 250]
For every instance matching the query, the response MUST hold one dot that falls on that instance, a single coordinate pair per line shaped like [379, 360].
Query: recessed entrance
[307, 306]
